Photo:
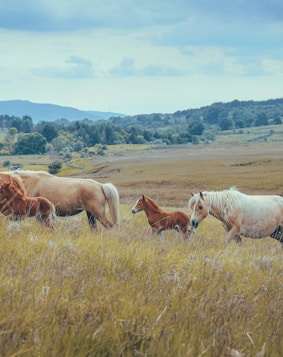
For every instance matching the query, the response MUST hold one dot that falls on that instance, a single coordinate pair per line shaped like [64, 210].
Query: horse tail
[112, 196]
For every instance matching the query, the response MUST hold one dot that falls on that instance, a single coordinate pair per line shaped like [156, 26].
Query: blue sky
[140, 56]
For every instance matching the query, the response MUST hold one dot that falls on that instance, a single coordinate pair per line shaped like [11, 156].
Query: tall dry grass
[124, 293]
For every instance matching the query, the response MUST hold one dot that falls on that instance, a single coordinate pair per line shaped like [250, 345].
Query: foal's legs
[160, 235]
[238, 239]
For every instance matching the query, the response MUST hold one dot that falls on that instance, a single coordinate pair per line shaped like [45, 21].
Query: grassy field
[124, 293]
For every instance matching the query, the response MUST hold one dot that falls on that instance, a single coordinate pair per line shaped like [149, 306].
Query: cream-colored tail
[113, 200]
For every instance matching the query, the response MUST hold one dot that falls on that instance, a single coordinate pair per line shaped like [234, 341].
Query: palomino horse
[251, 216]
[74, 195]
[14, 202]
[160, 220]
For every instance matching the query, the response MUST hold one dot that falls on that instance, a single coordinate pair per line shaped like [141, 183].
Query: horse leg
[278, 235]
[232, 234]
[91, 220]
[183, 231]
[160, 235]
[238, 239]
[96, 211]
[191, 232]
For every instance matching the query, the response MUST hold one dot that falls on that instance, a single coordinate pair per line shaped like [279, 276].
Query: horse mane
[13, 190]
[155, 205]
[222, 201]
[21, 172]
[14, 180]
[17, 182]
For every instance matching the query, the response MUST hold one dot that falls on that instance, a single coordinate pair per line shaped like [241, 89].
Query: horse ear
[201, 195]
[192, 194]
[143, 197]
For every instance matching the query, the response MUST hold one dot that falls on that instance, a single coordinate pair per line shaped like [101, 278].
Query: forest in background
[20, 135]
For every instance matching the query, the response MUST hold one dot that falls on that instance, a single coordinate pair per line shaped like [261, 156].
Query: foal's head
[9, 191]
[199, 207]
[5, 190]
[140, 204]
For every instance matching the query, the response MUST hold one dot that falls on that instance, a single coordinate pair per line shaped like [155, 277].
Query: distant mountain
[50, 112]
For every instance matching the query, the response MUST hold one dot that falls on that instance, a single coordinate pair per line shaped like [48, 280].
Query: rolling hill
[50, 112]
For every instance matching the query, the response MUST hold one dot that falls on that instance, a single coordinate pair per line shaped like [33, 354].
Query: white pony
[252, 216]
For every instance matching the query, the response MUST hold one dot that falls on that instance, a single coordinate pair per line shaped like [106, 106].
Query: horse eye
[200, 207]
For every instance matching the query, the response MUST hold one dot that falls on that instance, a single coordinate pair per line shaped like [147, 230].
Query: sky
[140, 56]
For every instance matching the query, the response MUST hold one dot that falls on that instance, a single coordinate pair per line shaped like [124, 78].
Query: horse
[13, 202]
[13, 179]
[72, 195]
[16, 181]
[160, 220]
[253, 216]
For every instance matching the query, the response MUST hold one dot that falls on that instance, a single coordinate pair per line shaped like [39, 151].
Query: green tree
[195, 128]
[184, 138]
[226, 124]
[261, 119]
[49, 131]
[277, 120]
[29, 144]
[10, 140]
[63, 141]
[26, 124]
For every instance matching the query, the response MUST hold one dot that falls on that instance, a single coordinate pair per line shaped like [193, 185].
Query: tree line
[22, 136]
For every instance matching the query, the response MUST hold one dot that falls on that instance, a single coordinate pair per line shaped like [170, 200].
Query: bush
[54, 167]
[6, 163]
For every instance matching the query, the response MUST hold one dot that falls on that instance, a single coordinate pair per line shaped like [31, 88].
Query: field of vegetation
[124, 293]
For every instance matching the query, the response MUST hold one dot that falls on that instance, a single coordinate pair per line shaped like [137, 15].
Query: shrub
[6, 163]
[54, 167]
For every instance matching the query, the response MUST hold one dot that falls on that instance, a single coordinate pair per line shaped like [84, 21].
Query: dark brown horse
[13, 202]
[161, 220]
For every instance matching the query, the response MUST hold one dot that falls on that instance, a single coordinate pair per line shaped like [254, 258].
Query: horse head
[5, 190]
[200, 208]
[140, 205]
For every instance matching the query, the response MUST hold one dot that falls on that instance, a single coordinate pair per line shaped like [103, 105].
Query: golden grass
[123, 293]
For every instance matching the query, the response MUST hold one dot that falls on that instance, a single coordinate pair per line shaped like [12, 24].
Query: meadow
[124, 293]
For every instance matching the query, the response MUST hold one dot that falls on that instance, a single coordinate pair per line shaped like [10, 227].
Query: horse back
[68, 194]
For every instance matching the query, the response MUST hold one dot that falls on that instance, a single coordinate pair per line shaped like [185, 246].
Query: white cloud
[127, 68]
[138, 56]
[74, 68]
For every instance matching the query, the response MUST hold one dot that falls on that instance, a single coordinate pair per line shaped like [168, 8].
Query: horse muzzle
[134, 210]
[194, 223]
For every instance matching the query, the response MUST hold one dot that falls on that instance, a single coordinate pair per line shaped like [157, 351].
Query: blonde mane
[221, 203]
[223, 200]
[21, 172]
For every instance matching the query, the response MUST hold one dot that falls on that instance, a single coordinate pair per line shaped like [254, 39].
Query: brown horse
[14, 179]
[73, 195]
[13, 202]
[160, 220]
[6, 208]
